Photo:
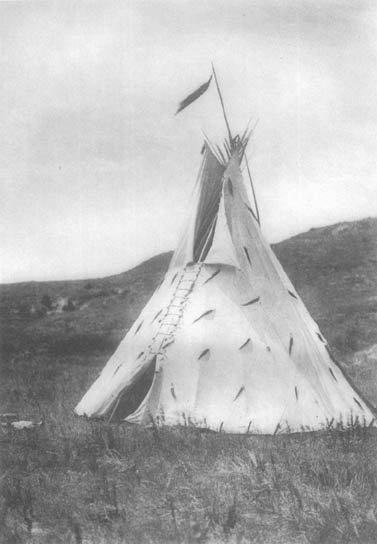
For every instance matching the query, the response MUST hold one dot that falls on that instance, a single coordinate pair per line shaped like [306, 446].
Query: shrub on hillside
[69, 307]
[46, 302]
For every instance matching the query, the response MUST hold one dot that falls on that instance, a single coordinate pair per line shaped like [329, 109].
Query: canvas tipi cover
[225, 342]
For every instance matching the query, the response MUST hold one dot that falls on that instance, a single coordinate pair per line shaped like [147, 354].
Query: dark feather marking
[139, 327]
[290, 345]
[203, 353]
[292, 294]
[247, 255]
[332, 374]
[239, 393]
[358, 403]
[173, 392]
[174, 278]
[140, 355]
[211, 277]
[203, 315]
[296, 392]
[251, 302]
[321, 337]
[156, 316]
[244, 344]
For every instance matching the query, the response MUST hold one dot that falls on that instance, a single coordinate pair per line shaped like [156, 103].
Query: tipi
[225, 342]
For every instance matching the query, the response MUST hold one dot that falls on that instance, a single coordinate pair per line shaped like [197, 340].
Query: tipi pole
[252, 188]
[222, 104]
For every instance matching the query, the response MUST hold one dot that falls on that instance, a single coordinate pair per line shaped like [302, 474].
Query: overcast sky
[95, 169]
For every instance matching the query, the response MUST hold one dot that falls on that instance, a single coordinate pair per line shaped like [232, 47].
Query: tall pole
[222, 104]
[252, 188]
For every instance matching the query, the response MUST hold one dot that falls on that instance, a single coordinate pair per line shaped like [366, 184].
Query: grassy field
[70, 480]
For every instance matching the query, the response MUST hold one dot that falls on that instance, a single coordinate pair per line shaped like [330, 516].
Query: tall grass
[73, 480]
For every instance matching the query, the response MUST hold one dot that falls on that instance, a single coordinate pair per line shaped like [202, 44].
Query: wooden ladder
[175, 310]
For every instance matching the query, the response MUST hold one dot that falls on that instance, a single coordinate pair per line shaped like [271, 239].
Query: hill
[333, 268]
